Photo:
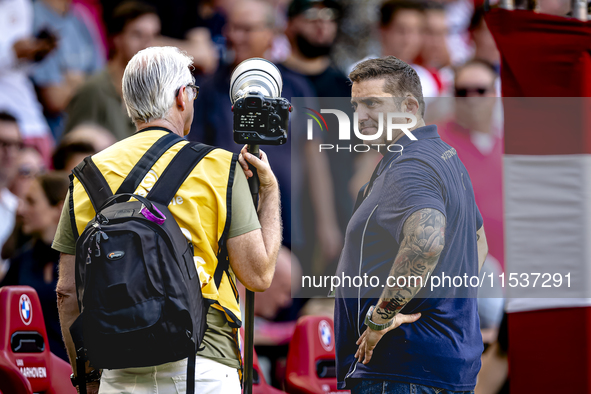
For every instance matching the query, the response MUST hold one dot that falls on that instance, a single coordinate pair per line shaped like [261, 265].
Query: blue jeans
[389, 387]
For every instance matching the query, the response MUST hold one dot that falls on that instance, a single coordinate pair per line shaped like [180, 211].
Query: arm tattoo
[424, 238]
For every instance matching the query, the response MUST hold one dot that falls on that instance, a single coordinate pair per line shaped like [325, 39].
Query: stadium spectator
[65, 69]
[36, 264]
[69, 154]
[133, 27]
[30, 164]
[10, 144]
[96, 135]
[401, 34]
[312, 28]
[458, 19]
[434, 55]
[18, 50]
[485, 47]
[478, 139]
[249, 33]
[184, 26]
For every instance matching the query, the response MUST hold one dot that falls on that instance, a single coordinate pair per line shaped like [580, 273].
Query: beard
[310, 50]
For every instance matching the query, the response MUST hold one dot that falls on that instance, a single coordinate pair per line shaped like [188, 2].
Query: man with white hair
[214, 200]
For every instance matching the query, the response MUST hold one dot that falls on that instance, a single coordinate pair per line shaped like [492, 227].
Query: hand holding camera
[266, 177]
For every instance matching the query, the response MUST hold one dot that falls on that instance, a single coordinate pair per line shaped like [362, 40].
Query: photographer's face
[247, 31]
[369, 100]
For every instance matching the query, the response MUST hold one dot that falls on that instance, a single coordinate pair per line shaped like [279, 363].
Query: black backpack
[138, 290]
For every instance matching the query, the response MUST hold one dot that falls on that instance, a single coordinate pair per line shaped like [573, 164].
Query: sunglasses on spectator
[475, 91]
[17, 145]
[194, 89]
[325, 14]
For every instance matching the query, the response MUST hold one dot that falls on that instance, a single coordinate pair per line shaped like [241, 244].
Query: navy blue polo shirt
[443, 348]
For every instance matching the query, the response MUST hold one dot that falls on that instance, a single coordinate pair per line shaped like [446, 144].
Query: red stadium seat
[26, 363]
[311, 365]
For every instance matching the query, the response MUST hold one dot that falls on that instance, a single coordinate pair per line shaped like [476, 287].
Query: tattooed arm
[424, 238]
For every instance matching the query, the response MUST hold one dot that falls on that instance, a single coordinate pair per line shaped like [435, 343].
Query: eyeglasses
[474, 91]
[194, 89]
[325, 14]
[17, 145]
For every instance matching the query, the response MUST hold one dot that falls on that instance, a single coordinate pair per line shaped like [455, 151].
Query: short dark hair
[55, 186]
[400, 77]
[7, 117]
[477, 62]
[64, 152]
[390, 8]
[127, 12]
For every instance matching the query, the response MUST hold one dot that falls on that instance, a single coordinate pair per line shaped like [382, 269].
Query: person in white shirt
[401, 34]
[10, 144]
[18, 50]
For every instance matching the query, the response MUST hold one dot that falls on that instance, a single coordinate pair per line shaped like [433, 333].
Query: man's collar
[421, 133]
[154, 128]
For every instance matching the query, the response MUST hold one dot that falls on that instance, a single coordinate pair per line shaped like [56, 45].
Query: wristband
[375, 326]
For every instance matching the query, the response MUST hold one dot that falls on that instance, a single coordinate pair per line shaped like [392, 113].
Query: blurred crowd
[61, 64]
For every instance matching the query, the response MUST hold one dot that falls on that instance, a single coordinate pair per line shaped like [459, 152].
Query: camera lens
[253, 76]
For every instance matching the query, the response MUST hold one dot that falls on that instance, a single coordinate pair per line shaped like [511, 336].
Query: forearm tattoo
[424, 238]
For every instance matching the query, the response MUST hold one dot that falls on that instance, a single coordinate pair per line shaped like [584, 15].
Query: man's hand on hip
[266, 176]
[369, 339]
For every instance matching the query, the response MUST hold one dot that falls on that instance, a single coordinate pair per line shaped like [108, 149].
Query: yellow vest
[200, 207]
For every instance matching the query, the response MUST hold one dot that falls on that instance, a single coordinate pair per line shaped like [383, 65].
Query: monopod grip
[253, 182]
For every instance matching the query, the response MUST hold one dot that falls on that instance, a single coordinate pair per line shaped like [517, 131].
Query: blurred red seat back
[24, 347]
[259, 383]
[311, 367]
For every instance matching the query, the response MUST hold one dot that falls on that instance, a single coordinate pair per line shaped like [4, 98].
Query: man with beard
[312, 30]
[134, 26]
[415, 220]
[249, 33]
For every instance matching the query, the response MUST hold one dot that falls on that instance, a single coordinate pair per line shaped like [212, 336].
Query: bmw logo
[326, 335]
[26, 309]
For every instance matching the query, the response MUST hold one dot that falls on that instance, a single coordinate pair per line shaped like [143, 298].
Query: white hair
[151, 79]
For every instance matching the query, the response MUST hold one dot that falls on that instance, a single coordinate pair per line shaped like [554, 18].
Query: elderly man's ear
[180, 102]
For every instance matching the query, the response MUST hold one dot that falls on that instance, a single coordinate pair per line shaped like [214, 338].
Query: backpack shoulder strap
[146, 162]
[223, 259]
[177, 171]
[93, 181]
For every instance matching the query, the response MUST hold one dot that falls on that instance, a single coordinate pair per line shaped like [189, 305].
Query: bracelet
[375, 326]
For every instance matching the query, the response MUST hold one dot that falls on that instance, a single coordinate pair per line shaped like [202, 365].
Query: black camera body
[259, 120]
